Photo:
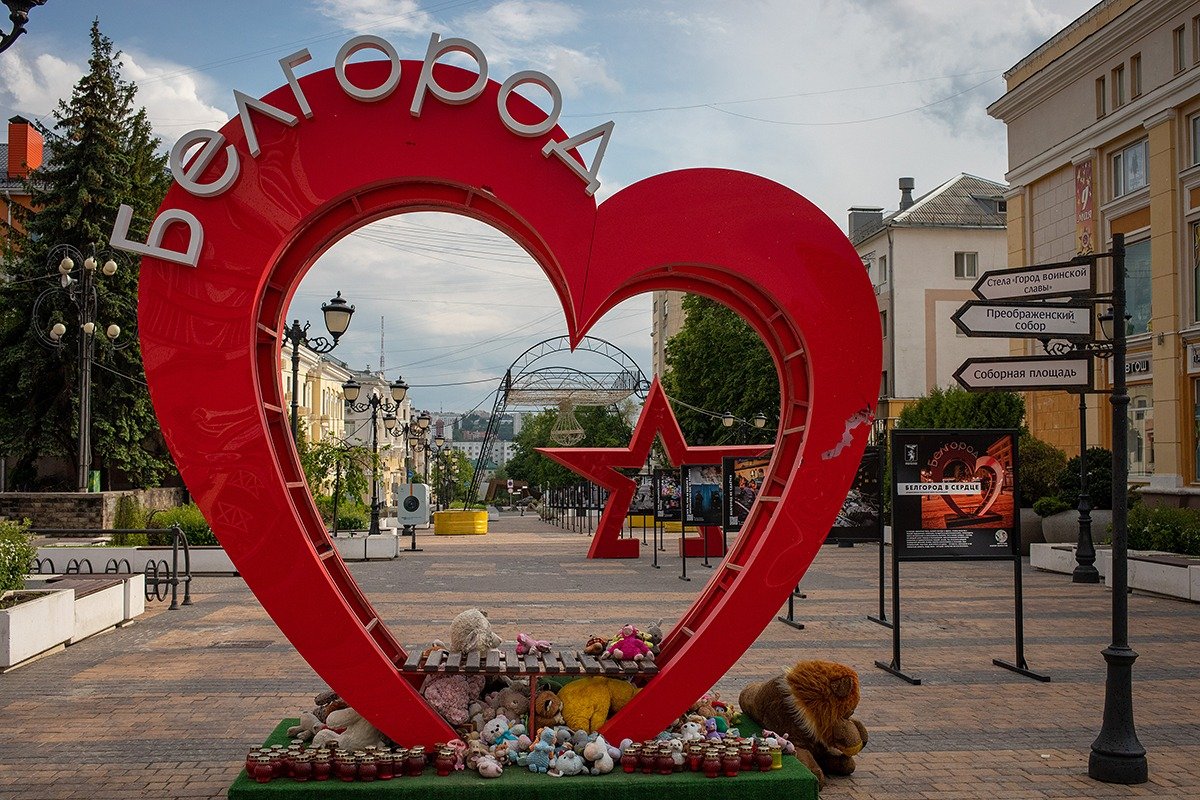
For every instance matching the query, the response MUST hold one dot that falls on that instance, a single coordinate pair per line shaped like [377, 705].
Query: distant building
[1104, 137]
[666, 320]
[923, 260]
[20, 155]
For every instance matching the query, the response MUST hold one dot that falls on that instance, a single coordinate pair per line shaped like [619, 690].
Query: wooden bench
[85, 584]
[505, 661]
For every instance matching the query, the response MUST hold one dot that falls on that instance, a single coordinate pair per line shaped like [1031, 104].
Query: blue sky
[834, 99]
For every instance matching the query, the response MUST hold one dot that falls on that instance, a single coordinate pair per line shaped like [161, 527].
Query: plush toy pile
[807, 712]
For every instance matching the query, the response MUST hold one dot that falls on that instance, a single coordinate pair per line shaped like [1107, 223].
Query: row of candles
[728, 758]
[300, 763]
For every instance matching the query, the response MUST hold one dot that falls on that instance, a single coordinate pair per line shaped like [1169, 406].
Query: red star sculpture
[600, 465]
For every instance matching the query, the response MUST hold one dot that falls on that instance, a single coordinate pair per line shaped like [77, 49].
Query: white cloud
[378, 15]
[175, 100]
[531, 20]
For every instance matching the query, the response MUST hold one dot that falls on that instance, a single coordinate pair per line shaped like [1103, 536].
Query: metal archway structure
[534, 381]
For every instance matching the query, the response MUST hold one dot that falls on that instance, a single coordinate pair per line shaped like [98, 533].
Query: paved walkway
[166, 708]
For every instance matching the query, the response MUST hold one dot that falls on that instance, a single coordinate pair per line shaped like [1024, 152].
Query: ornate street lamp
[337, 313]
[351, 390]
[78, 286]
[19, 14]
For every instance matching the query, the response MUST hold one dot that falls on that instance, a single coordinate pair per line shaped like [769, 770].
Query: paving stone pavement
[166, 708]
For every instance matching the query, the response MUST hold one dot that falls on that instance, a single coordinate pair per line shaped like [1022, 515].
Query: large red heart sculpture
[211, 343]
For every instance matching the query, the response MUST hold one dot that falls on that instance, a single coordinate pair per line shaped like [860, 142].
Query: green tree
[451, 476]
[602, 428]
[957, 408]
[103, 154]
[332, 463]
[719, 363]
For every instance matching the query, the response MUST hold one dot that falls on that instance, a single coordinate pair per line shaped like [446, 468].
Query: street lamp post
[351, 390]
[414, 432]
[337, 313]
[1117, 755]
[19, 15]
[79, 287]
[439, 444]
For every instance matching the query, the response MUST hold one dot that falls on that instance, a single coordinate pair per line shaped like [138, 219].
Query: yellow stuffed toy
[588, 702]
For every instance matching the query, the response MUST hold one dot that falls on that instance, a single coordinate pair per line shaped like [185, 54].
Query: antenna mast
[381, 344]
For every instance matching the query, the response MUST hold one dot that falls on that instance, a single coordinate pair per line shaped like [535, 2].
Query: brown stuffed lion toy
[813, 703]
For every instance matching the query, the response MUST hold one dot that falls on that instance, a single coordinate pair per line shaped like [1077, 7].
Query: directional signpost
[1067, 279]
[1074, 321]
[1072, 372]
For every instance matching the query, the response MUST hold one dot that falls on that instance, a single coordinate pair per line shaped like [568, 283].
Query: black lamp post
[19, 14]
[439, 443]
[351, 389]
[413, 432]
[1117, 755]
[78, 286]
[337, 313]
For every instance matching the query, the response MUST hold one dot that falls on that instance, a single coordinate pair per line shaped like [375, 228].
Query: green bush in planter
[189, 519]
[1049, 506]
[130, 514]
[16, 553]
[1099, 478]
[353, 517]
[1042, 466]
[1175, 530]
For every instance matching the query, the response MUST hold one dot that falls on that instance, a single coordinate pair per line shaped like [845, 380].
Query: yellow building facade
[1104, 137]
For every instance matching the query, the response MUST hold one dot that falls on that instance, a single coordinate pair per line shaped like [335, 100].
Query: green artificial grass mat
[793, 782]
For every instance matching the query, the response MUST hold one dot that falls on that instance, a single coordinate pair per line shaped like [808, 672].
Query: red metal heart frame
[211, 340]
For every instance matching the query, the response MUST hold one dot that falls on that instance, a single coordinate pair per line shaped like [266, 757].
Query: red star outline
[600, 465]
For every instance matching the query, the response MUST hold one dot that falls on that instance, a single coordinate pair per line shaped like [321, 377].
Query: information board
[668, 504]
[861, 517]
[953, 494]
[702, 494]
[743, 480]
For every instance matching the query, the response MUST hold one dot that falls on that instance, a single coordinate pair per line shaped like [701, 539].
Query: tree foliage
[602, 428]
[103, 154]
[957, 408]
[1042, 467]
[451, 476]
[719, 363]
[331, 464]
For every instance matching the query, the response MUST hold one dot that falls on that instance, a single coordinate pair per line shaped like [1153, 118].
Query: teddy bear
[595, 646]
[567, 763]
[812, 704]
[313, 720]
[349, 731]
[547, 709]
[588, 702]
[596, 753]
[691, 732]
[471, 630]
[488, 766]
[527, 644]
[509, 701]
[498, 731]
[476, 749]
[451, 695]
[629, 646]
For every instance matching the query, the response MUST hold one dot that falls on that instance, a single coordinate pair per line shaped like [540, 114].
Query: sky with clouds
[833, 99]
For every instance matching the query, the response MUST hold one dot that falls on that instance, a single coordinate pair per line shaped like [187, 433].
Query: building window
[1196, 40]
[1118, 86]
[883, 322]
[966, 265]
[1141, 432]
[1196, 430]
[1129, 169]
[1177, 49]
[1196, 139]
[883, 389]
[883, 270]
[1101, 99]
[1137, 287]
[1135, 75]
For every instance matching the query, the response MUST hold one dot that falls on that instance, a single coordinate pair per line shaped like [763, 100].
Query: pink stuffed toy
[451, 695]
[527, 644]
[629, 646]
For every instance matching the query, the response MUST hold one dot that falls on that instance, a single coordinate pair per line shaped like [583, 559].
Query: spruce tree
[101, 153]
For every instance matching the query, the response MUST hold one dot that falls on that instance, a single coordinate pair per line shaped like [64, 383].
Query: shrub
[353, 517]
[16, 553]
[1099, 478]
[1175, 530]
[189, 519]
[955, 408]
[130, 514]
[1049, 506]
[1042, 466]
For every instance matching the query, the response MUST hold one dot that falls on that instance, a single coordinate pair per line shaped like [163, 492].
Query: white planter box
[1061, 558]
[36, 626]
[360, 547]
[135, 596]
[99, 611]
[1166, 579]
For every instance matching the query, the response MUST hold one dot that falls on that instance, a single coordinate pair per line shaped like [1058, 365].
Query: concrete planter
[454, 523]
[36, 626]
[1172, 580]
[1031, 530]
[1061, 558]
[99, 611]
[360, 547]
[1063, 527]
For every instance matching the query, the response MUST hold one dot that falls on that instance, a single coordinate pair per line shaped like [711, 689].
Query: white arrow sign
[1035, 283]
[1026, 373]
[1026, 320]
